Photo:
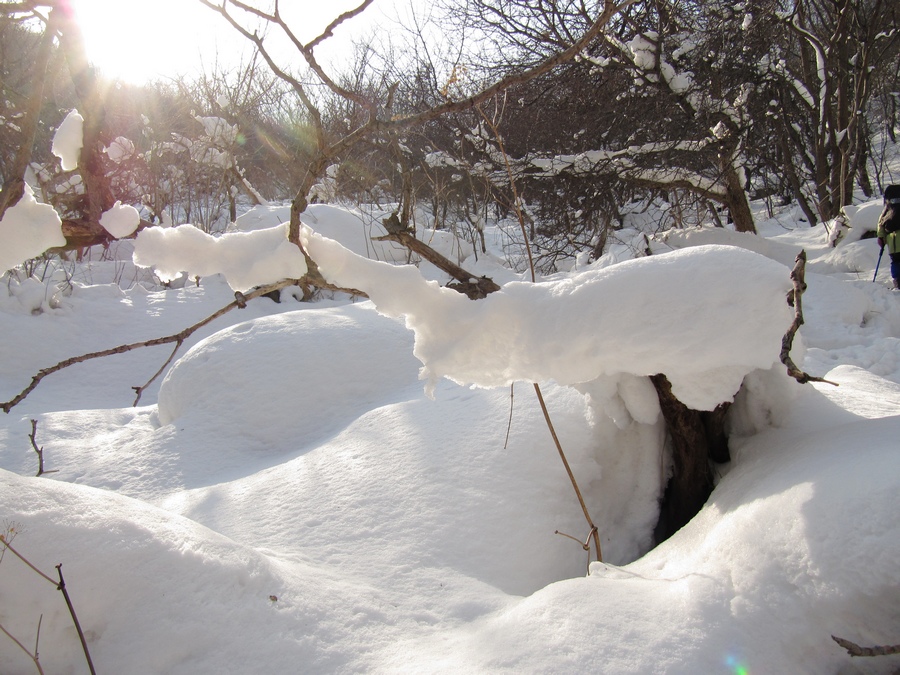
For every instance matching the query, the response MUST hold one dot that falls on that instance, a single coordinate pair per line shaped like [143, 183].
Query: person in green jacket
[889, 230]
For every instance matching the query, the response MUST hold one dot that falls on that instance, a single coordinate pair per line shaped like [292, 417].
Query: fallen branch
[794, 300]
[855, 650]
[178, 338]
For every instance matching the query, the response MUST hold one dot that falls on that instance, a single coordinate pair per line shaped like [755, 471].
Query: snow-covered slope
[289, 499]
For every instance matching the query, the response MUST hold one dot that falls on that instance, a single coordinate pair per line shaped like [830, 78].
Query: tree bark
[736, 200]
[692, 478]
[14, 186]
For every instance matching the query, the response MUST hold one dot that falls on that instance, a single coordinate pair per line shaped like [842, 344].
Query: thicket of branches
[701, 106]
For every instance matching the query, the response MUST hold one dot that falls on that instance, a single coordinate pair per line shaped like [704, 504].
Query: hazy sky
[137, 40]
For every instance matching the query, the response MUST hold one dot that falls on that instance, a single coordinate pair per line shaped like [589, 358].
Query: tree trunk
[736, 201]
[14, 186]
[690, 432]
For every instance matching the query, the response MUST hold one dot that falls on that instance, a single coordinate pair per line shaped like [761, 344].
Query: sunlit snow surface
[289, 499]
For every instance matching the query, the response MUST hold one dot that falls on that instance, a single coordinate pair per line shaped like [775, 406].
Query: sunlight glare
[142, 40]
[137, 41]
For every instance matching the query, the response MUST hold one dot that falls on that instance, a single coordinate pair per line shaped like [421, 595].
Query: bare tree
[824, 72]
[379, 122]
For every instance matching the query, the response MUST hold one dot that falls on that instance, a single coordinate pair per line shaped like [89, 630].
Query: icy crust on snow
[571, 330]
[245, 259]
[27, 230]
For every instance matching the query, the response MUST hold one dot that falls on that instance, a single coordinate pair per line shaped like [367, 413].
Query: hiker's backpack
[892, 200]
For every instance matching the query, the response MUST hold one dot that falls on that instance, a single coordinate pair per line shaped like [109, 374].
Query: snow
[513, 335]
[245, 259]
[68, 139]
[120, 149]
[288, 497]
[27, 230]
[121, 220]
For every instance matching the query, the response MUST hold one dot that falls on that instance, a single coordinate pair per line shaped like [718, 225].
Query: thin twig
[38, 450]
[33, 657]
[517, 202]
[62, 588]
[537, 388]
[25, 560]
[512, 396]
[37, 639]
[586, 544]
[329, 30]
[562, 456]
[140, 390]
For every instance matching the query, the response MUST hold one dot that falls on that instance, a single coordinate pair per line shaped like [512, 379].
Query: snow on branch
[737, 303]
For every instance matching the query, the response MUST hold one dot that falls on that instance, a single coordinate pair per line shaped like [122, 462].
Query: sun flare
[140, 41]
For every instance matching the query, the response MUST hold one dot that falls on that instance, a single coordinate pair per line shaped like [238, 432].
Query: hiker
[889, 230]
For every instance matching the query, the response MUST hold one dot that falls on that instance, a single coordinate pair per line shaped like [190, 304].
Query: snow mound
[855, 257]
[862, 219]
[796, 544]
[275, 376]
[193, 587]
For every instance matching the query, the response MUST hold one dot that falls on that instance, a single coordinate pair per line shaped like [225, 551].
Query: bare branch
[468, 284]
[329, 30]
[139, 391]
[38, 450]
[304, 50]
[121, 349]
[84, 647]
[6, 544]
[855, 650]
[794, 299]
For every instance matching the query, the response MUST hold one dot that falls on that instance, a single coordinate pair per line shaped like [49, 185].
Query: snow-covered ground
[292, 497]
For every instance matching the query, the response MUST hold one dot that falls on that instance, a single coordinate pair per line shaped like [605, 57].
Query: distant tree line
[699, 106]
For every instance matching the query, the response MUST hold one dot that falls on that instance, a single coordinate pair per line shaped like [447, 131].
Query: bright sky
[140, 40]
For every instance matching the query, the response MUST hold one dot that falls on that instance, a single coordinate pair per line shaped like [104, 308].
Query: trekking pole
[880, 253]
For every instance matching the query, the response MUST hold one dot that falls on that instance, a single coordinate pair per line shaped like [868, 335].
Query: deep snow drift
[290, 499]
